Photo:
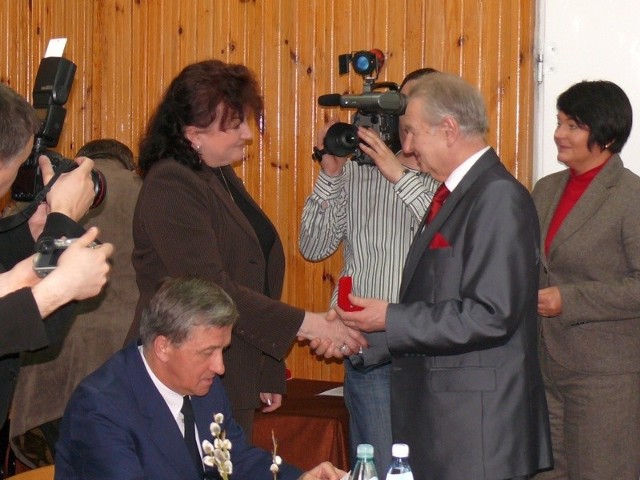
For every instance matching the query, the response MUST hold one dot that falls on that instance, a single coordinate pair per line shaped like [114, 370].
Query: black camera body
[50, 93]
[379, 107]
[29, 183]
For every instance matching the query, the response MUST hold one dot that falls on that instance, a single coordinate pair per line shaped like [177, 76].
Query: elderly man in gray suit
[467, 393]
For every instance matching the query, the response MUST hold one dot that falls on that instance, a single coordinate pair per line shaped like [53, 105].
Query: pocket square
[438, 241]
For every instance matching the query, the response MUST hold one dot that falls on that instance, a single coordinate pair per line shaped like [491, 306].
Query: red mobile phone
[344, 289]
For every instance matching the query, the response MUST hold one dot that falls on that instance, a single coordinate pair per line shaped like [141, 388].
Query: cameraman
[25, 299]
[374, 211]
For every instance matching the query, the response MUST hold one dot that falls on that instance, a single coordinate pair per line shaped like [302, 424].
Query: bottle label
[400, 476]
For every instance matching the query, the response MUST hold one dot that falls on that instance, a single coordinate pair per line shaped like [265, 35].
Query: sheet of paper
[55, 47]
[334, 392]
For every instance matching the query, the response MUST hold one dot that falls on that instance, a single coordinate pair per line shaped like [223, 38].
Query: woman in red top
[589, 298]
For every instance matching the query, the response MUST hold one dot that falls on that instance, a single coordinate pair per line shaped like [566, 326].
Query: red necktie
[438, 199]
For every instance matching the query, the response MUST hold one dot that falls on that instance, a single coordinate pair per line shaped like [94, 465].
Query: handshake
[337, 333]
[328, 336]
[336, 339]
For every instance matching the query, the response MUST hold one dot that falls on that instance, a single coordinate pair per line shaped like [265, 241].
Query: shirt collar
[173, 400]
[458, 174]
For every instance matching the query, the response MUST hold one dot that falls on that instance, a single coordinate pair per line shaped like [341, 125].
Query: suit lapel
[588, 204]
[548, 204]
[420, 243]
[163, 429]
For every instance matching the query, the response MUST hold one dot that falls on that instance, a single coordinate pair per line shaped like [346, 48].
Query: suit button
[544, 269]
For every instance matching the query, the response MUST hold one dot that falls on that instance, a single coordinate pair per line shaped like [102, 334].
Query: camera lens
[364, 63]
[60, 163]
[341, 139]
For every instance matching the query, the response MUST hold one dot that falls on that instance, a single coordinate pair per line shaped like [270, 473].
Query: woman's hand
[271, 401]
[549, 302]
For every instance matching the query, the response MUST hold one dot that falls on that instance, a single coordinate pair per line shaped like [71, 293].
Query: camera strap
[14, 221]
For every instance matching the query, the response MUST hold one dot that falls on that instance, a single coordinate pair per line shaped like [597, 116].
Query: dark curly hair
[601, 107]
[191, 100]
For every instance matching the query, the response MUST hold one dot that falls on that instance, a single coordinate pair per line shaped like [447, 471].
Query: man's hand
[386, 161]
[549, 302]
[324, 471]
[73, 193]
[331, 165]
[20, 276]
[372, 317]
[81, 273]
[37, 220]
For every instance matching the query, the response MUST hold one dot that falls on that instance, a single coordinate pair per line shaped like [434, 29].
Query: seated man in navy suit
[124, 421]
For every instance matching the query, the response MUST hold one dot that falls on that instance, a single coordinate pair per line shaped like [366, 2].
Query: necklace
[226, 184]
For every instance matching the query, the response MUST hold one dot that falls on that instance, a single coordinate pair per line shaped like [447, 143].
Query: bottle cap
[400, 450]
[365, 450]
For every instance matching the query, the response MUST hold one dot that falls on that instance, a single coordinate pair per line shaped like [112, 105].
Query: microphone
[329, 100]
[388, 102]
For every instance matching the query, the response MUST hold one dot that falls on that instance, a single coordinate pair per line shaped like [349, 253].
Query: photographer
[26, 299]
[374, 211]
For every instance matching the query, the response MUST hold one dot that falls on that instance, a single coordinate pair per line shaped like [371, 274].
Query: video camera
[50, 93]
[379, 111]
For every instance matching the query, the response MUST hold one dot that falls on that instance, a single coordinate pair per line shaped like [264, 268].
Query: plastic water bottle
[365, 469]
[400, 469]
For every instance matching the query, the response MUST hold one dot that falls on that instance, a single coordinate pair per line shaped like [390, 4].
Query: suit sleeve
[473, 295]
[23, 327]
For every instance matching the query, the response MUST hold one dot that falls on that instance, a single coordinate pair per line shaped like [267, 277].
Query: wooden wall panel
[127, 51]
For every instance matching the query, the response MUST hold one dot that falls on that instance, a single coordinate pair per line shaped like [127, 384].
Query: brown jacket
[595, 261]
[186, 223]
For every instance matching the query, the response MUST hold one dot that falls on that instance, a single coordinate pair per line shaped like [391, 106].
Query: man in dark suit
[466, 390]
[125, 420]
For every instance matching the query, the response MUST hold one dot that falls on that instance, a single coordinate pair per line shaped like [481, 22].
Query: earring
[198, 148]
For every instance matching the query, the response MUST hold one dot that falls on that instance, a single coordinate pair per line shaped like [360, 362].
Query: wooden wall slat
[127, 51]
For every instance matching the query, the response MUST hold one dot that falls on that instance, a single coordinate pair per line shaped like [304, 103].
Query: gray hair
[18, 123]
[181, 304]
[446, 95]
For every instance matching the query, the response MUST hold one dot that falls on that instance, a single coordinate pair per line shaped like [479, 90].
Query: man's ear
[162, 347]
[451, 130]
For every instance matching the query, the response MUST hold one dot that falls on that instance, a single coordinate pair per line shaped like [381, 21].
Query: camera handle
[317, 154]
[14, 221]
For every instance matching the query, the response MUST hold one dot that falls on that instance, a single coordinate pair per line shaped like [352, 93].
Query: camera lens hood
[341, 139]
